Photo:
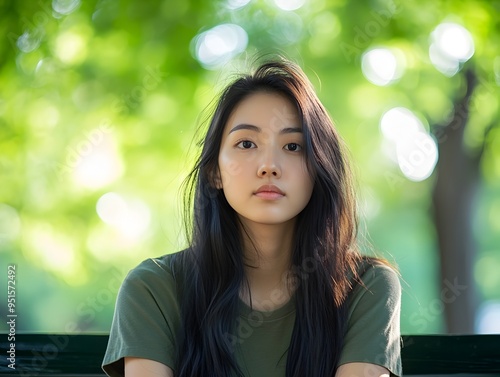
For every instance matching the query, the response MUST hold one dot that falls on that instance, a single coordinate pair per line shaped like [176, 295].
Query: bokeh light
[236, 4]
[399, 123]
[71, 47]
[451, 45]
[54, 250]
[65, 7]
[289, 4]
[287, 28]
[29, 41]
[416, 150]
[417, 156]
[217, 46]
[487, 319]
[381, 66]
[94, 164]
[10, 224]
[130, 217]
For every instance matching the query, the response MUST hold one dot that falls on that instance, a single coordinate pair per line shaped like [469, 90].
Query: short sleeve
[146, 316]
[373, 328]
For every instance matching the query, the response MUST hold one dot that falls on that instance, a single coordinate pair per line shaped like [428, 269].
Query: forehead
[264, 109]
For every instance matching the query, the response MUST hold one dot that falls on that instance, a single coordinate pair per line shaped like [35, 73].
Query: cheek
[308, 182]
[306, 186]
[310, 190]
[229, 169]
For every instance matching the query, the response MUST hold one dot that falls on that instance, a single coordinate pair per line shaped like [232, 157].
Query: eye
[246, 144]
[293, 147]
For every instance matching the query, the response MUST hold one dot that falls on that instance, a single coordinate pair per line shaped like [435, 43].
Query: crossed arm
[136, 367]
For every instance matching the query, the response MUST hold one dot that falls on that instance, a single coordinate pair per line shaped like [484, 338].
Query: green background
[121, 77]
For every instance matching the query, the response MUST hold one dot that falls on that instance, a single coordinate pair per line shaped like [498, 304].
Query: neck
[267, 252]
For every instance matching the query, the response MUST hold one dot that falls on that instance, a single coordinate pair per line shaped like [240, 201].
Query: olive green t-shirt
[147, 318]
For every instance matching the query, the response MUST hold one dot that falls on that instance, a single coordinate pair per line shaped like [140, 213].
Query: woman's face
[262, 164]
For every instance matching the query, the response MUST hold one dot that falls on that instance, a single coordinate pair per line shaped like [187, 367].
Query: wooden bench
[81, 355]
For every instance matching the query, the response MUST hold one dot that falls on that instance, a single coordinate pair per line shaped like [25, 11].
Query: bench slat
[81, 355]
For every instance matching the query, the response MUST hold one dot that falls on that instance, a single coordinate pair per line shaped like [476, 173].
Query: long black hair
[324, 240]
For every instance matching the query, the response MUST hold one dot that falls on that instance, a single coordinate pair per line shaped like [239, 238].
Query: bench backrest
[81, 355]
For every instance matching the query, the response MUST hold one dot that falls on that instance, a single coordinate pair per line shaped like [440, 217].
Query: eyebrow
[251, 127]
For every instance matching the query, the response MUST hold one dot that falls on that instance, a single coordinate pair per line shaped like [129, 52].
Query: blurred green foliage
[106, 96]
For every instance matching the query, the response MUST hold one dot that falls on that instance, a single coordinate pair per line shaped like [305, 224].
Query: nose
[269, 166]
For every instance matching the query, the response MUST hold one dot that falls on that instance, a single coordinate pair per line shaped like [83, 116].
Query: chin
[268, 220]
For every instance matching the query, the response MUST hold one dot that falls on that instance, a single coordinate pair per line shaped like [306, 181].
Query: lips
[269, 192]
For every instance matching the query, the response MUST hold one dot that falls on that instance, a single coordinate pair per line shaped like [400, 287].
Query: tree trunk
[453, 198]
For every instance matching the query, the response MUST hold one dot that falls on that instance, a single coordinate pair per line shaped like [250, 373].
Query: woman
[272, 283]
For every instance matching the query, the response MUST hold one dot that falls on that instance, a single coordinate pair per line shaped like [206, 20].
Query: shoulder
[377, 273]
[150, 294]
[154, 274]
[376, 280]
[373, 307]
[159, 267]
[147, 315]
